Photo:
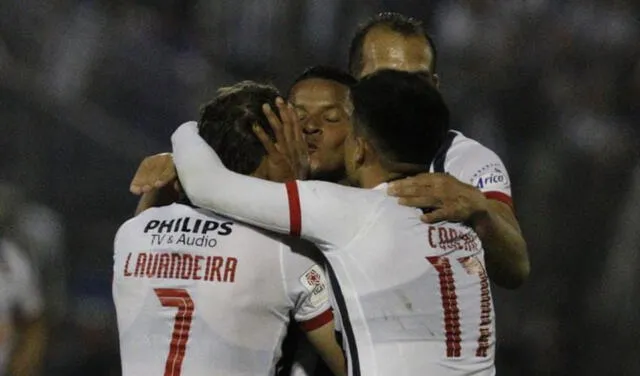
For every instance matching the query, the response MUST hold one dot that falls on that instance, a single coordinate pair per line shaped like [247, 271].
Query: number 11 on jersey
[450, 304]
[180, 299]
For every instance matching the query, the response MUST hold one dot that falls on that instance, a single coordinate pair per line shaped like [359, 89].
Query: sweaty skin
[384, 49]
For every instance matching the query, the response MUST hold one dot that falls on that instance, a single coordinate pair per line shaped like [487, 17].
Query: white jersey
[19, 293]
[199, 294]
[468, 161]
[413, 299]
[473, 163]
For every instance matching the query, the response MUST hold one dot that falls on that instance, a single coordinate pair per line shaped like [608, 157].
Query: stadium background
[88, 88]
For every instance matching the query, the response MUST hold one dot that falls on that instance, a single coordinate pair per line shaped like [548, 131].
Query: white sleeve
[307, 287]
[24, 281]
[324, 213]
[475, 164]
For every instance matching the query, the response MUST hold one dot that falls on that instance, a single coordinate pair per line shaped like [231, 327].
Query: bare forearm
[147, 200]
[506, 254]
[157, 197]
[325, 343]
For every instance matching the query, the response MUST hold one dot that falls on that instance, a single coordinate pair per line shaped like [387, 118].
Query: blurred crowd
[89, 87]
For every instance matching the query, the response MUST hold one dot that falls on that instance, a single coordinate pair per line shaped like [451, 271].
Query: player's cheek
[337, 145]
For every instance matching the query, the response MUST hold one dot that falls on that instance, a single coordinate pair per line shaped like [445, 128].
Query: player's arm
[316, 211]
[308, 289]
[484, 204]
[157, 197]
[506, 253]
[325, 342]
[155, 182]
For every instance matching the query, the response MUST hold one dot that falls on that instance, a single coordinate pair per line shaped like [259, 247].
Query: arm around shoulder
[493, 216]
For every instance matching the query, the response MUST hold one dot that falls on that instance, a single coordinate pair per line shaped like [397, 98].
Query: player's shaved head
[401, 114]
[226, 124]
[391, 41]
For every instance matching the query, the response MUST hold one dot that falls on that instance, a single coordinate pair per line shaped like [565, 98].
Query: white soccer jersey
[414, 299]
[19, 293]
[473, 163]
[199, 294]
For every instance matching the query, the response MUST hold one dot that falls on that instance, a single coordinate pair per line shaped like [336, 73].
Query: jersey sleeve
[479, 166]
[27, 293]
[325, 213]
[307, 288]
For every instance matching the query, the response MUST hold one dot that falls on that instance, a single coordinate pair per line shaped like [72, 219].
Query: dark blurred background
[88, 88]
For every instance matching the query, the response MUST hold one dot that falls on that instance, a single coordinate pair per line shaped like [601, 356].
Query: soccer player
[472, 184]
[413, 299]
[320, 98]
[197, 293]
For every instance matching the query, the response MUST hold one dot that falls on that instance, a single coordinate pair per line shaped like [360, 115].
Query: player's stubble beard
[327, 165]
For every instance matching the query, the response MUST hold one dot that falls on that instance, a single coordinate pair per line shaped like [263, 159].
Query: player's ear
[359, 151]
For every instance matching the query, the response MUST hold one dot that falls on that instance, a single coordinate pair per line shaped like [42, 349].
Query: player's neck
[262, 172]
[374, 175]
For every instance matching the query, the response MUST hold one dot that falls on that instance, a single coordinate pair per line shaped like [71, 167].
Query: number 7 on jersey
[178, 298]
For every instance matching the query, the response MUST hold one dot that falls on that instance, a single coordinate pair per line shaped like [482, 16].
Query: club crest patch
[314, 281]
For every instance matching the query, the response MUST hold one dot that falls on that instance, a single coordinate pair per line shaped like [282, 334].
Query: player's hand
[288, 157]
[447, 198]
[154, 172]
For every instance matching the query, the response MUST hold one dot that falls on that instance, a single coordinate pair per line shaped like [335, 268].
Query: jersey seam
[285, 289]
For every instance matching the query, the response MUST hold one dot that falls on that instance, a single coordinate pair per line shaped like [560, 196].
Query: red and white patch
[314, 281]
[313, 278]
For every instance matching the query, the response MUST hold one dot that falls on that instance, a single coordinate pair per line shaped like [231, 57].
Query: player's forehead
[384, 48]
[315, 93]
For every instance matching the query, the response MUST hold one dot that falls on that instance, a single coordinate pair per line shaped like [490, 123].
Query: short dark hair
[325, 72]
[406, 26]
[226, 124]
[402, 114]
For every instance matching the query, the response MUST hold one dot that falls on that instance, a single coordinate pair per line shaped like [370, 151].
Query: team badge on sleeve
[313, 280]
